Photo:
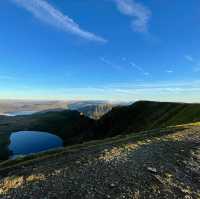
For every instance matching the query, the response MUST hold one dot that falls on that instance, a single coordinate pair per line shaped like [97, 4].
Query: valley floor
[155, 164]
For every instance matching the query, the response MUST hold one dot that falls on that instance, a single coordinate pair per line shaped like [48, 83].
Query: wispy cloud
[195, 62]
[45, 12]
[110, 63]
[186, 91]
[139, 68]
[139, 13]
[189, 58]
[169, 71]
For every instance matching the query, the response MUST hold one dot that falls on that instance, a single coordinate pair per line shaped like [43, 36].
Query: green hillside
[146, 115]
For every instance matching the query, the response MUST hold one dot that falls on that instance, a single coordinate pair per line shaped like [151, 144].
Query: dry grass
[11, 183]
[14, 182]
[109, 155]
[34, 178]
[188, 125]
[122, 151]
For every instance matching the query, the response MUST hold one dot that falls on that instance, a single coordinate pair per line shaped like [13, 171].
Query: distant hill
[146, 115]
[14, 107]
[92, 109]
[81, 104]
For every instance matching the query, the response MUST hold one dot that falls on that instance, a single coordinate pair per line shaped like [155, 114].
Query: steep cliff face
[96, 111]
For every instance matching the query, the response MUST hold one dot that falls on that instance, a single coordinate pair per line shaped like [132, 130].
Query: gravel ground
[157, 167]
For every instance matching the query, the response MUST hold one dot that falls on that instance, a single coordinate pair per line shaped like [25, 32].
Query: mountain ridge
[75, 128]
[146, 115]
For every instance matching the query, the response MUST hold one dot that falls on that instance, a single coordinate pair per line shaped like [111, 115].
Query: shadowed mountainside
[71, 126]
[146, 115]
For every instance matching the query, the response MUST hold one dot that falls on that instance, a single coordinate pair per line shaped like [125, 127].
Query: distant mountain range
[13, 107]
[92, 109]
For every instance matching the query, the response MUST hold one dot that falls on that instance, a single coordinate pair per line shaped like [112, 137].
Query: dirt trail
[165, 166]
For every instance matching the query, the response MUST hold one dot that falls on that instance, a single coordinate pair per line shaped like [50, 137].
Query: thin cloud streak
[195, 62]
[139, 68]
[139, 13]
[109, 63]
[169, 71]
[189, 58]
[160, 91]
[45, 12]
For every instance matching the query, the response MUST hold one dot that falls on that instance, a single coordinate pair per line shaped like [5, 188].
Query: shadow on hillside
[176, 176]
[4, 144]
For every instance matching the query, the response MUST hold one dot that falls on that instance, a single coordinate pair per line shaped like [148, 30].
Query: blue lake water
[20, 113]
[28, 142]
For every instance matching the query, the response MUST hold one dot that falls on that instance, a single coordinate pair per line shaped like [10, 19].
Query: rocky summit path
[161, 165]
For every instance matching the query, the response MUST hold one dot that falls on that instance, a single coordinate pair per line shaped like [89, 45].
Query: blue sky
[100, 50]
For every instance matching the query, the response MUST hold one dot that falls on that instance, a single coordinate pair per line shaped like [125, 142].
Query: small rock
[151, 169]
[112, 185]
[188, 197]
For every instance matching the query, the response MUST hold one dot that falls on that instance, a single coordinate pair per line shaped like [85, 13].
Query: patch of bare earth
[165, 166]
